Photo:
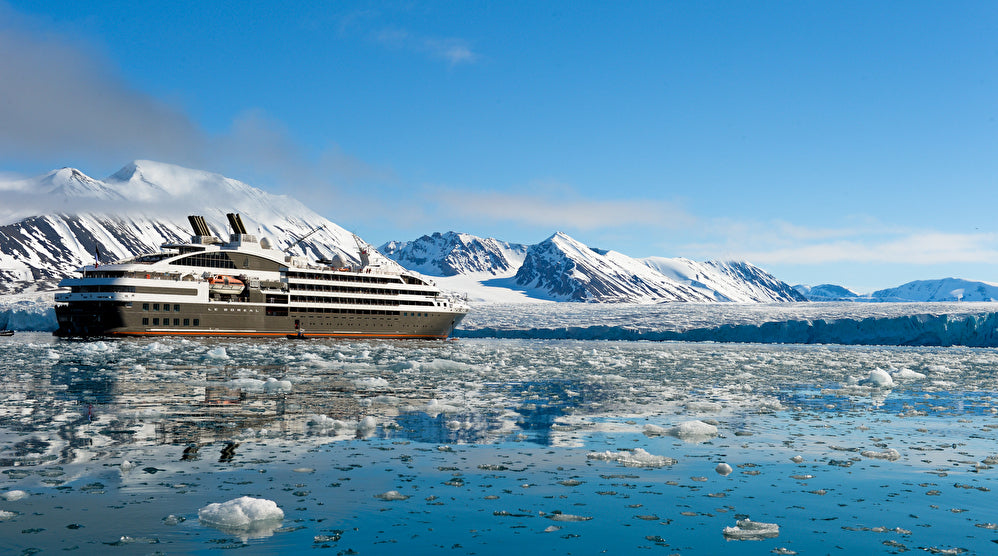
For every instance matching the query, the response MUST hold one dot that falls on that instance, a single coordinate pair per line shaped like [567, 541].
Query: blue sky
[844, 142]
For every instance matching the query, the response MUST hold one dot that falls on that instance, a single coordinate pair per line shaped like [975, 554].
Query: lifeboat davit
[228, 285]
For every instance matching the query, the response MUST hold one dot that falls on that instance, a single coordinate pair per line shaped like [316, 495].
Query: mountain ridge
[38, 250]
[561, 268]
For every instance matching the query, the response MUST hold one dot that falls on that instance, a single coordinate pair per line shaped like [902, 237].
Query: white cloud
[62, 100]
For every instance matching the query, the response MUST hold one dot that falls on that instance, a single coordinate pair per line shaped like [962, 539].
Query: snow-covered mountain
[827, 292]
[945, 289]
[737, 281]
[919, 291]
[137, 209]
[561, 268]
[564, 269]
[452, 253]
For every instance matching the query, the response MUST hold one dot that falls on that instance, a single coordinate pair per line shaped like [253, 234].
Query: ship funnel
[199, 226]
[202, 233]
[237, 223]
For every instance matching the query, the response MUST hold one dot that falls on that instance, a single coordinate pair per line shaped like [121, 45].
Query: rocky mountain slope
[451, 253]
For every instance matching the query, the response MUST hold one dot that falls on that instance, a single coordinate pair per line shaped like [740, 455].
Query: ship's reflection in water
[80, 410]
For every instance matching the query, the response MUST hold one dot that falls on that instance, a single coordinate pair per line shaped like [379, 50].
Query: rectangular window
[187, 322]
[176, 308]
[145, 306]
[176, 322]
[155, 306]
[155, 321]
[197, 322]
[145, 320]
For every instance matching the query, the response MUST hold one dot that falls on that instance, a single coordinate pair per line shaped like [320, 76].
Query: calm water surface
[496, 446]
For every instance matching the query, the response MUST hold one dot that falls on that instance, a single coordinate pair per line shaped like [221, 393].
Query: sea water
[485, 446]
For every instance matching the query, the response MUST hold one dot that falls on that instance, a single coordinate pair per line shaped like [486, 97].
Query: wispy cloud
[923, 248]
[455, 51]
[864, 241]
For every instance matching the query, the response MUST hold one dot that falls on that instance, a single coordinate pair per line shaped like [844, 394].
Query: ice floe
[693, 431]
[889, 455]
[244, 513]
[14, 495]
[638, 457]
[748, 530]
[878, 378]
[391, 496]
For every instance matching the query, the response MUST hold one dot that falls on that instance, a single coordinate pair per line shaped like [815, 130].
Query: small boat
[6, 332]
[299, 335]
[229, 285]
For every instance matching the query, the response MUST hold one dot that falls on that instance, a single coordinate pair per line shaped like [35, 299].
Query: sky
[853, 143]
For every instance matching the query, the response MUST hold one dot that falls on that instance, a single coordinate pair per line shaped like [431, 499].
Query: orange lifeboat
[227, 285]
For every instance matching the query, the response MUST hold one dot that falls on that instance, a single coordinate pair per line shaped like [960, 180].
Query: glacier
[892, 324]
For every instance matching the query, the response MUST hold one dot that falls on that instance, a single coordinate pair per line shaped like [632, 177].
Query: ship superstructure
[245, 287]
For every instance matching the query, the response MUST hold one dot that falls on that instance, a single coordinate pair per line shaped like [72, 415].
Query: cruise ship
[248, 288]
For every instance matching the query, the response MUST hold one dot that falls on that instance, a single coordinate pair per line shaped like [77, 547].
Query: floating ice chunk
[748, 530]
[127, 466]
[632, 458]
[371, 383]
[655, 430]
[5, 515]
[723, 469]
[435, 407]
[797, 459]
[693, 431]
[14, 495]
[703, 407]
[217, 353]
[156, 347]
[241, 513]
[878, 378]
[907, 373]
[558, 516]
[889, 455]
[367, 426]
[391, 496]
[273, 385]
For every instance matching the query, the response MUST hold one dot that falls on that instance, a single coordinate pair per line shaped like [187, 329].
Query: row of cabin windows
[156, 307]
[176, 322]
[356, 301]
[327, 310]
[345, 277]
[103, 289]
[350, 289]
